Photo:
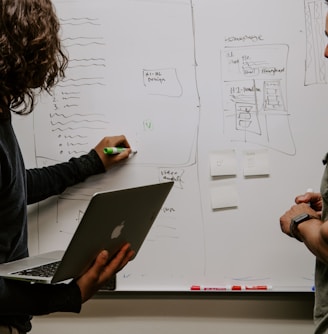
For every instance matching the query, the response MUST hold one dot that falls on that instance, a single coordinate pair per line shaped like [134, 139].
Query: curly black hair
[31, 56]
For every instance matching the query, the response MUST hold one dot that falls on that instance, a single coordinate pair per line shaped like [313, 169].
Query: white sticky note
[224, 196]
[256, 162]
[223, 163]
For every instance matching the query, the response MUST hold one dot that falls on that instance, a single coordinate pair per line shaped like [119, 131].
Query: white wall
[276, 313]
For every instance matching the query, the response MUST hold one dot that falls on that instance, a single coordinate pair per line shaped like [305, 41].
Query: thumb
[303, 198]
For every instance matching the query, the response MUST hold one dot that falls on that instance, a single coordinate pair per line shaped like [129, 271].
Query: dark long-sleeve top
[18, 188]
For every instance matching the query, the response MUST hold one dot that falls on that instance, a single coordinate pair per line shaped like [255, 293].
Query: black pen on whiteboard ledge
[117, 150]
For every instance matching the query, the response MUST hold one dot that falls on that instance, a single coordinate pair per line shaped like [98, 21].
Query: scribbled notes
[256, 163]
[162, 82]
[172, 174]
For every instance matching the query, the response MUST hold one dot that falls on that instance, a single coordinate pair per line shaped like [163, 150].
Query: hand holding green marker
[116, 150]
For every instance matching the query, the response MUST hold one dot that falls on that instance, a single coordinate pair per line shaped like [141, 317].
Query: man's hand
[311, 198]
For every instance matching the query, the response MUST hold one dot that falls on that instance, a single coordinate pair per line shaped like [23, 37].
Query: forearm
[314, 234]
[22, 298]
[48, 181]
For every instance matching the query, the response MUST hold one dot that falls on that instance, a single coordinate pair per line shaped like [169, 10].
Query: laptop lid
[111, 219]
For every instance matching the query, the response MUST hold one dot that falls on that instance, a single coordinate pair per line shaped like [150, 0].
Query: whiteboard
[226, 98]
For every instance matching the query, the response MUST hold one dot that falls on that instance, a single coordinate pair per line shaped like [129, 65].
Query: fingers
[114, 141]
[102, 270]
[119, 261]
[100, 262]
[312, 199]
[308, 197]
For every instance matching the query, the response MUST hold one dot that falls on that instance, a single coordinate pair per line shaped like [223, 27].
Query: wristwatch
[296, 221]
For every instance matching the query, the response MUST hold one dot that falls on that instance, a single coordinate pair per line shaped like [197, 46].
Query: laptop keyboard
[46, 270]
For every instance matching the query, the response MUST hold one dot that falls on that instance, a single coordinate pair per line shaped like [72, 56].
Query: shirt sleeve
[53, 180]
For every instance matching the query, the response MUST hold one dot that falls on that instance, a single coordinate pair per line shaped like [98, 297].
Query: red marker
[251, 287]
[231, 288]
[215, 288]
[258, 287]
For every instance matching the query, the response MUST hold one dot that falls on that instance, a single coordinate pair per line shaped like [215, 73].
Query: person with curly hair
[32, 61]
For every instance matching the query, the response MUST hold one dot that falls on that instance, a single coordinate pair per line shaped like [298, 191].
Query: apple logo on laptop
[117, 230]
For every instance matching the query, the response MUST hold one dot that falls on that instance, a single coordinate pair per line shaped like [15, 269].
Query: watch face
[301, 218]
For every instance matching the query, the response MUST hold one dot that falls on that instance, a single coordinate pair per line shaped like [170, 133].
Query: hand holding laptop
[132, 214]
[102, 270]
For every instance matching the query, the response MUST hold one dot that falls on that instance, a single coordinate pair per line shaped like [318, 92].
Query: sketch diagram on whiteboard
[120, 80]
[124, 83]
[316, 71]
[255, 96]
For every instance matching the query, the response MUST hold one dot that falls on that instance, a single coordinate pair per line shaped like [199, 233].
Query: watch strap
[296, 221]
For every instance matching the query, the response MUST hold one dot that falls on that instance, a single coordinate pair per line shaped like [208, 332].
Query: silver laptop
[111, 219]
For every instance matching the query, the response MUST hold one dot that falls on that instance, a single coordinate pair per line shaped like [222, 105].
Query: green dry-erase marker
[116, 150]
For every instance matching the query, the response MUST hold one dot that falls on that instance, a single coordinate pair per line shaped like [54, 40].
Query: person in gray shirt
[307, 221]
